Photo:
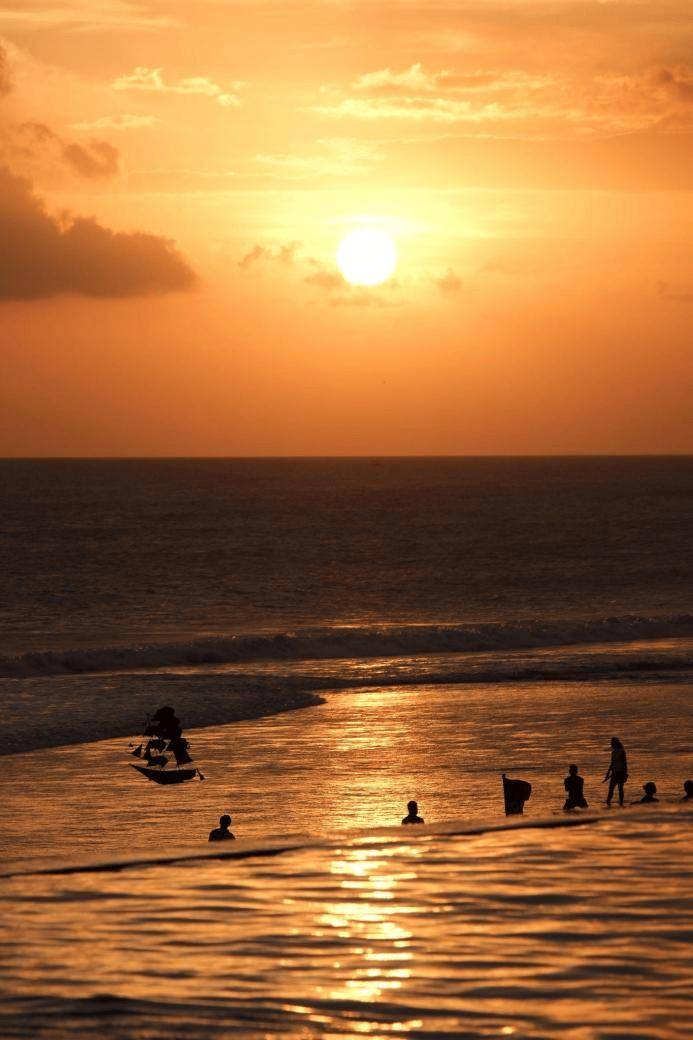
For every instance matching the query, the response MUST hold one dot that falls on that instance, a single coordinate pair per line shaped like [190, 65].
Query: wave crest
[349, 642]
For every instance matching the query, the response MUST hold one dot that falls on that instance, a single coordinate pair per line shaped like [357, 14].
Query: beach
[326, 916]
[580, 931]
[333, 919]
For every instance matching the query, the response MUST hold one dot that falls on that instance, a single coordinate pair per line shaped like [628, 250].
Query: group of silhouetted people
[617, 775]
[516, 793]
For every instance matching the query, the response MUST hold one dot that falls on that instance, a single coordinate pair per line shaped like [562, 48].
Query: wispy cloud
[117, 122]
[34, 140]
[338, 157]
[152, 81]
[83, 15]
[5, 78]
[448, 283]
[675, 293]
[285, 254]
[519, 103]
[433, 109]
[416, 80]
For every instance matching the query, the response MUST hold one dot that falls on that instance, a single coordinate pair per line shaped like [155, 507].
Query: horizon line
[369, 456]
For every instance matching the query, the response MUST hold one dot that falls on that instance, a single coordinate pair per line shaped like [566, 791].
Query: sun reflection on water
[482, 936]
[372, 922]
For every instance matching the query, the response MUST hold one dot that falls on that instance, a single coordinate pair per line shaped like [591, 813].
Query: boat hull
[166, 776]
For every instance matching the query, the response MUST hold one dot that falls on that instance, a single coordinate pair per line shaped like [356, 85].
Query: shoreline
[219, 707]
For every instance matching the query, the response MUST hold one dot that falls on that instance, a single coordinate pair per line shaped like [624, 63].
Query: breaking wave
[316, 644]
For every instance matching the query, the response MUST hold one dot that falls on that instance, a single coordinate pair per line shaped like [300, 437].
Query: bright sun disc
[367, 257]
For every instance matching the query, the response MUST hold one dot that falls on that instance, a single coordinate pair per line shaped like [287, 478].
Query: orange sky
[175, 179]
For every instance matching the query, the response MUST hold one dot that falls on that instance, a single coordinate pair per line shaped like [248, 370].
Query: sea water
[339, 636]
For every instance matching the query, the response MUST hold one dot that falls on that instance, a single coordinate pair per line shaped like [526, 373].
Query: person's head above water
[412, 813]
[222, 832]
[573, 770]
[649, 788]
[688, 788]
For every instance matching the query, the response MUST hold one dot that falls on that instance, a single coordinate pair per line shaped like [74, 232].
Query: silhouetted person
[515, 794]
[164, 724]
[688, 788]
[617, 773]
[179, 746]
[412, 814]
[574, 785]
[222, 832]
[650, 790]
[156, 760]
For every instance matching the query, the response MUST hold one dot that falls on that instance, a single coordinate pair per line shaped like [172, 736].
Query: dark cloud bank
[42, 255]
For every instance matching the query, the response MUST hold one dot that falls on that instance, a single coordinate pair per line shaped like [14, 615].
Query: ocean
[339, 636]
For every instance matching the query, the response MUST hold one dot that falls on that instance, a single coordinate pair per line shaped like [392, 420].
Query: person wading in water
[617, 773]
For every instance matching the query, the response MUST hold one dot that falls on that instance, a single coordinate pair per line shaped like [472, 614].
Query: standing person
[617, 773]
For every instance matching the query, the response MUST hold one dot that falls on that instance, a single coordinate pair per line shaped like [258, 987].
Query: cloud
[252, 256]
[416, 80]
[448, 283]
[339, 293]
[325, 279]
[83, 16]
[284, 254]
[340, 157]
[94, 161]
[146, 79]
[118, 122]
[433, 109]
[44, 256]
[521, 103]
[333, 287]
[100, 159]
[659, 96]
[413, 78]
[5, 80]
[675, 293]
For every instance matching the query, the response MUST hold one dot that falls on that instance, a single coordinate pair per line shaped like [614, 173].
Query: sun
[367, 256]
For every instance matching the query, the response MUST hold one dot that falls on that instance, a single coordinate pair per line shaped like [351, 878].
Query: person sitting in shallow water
[222, 832]
[650, 790]
[574, 786]
[412, 815]
[688, 788]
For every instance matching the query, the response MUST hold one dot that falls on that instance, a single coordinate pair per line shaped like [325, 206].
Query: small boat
[166, 776]
[165, 735]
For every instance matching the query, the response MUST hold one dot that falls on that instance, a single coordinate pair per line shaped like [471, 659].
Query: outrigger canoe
[166, 776]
